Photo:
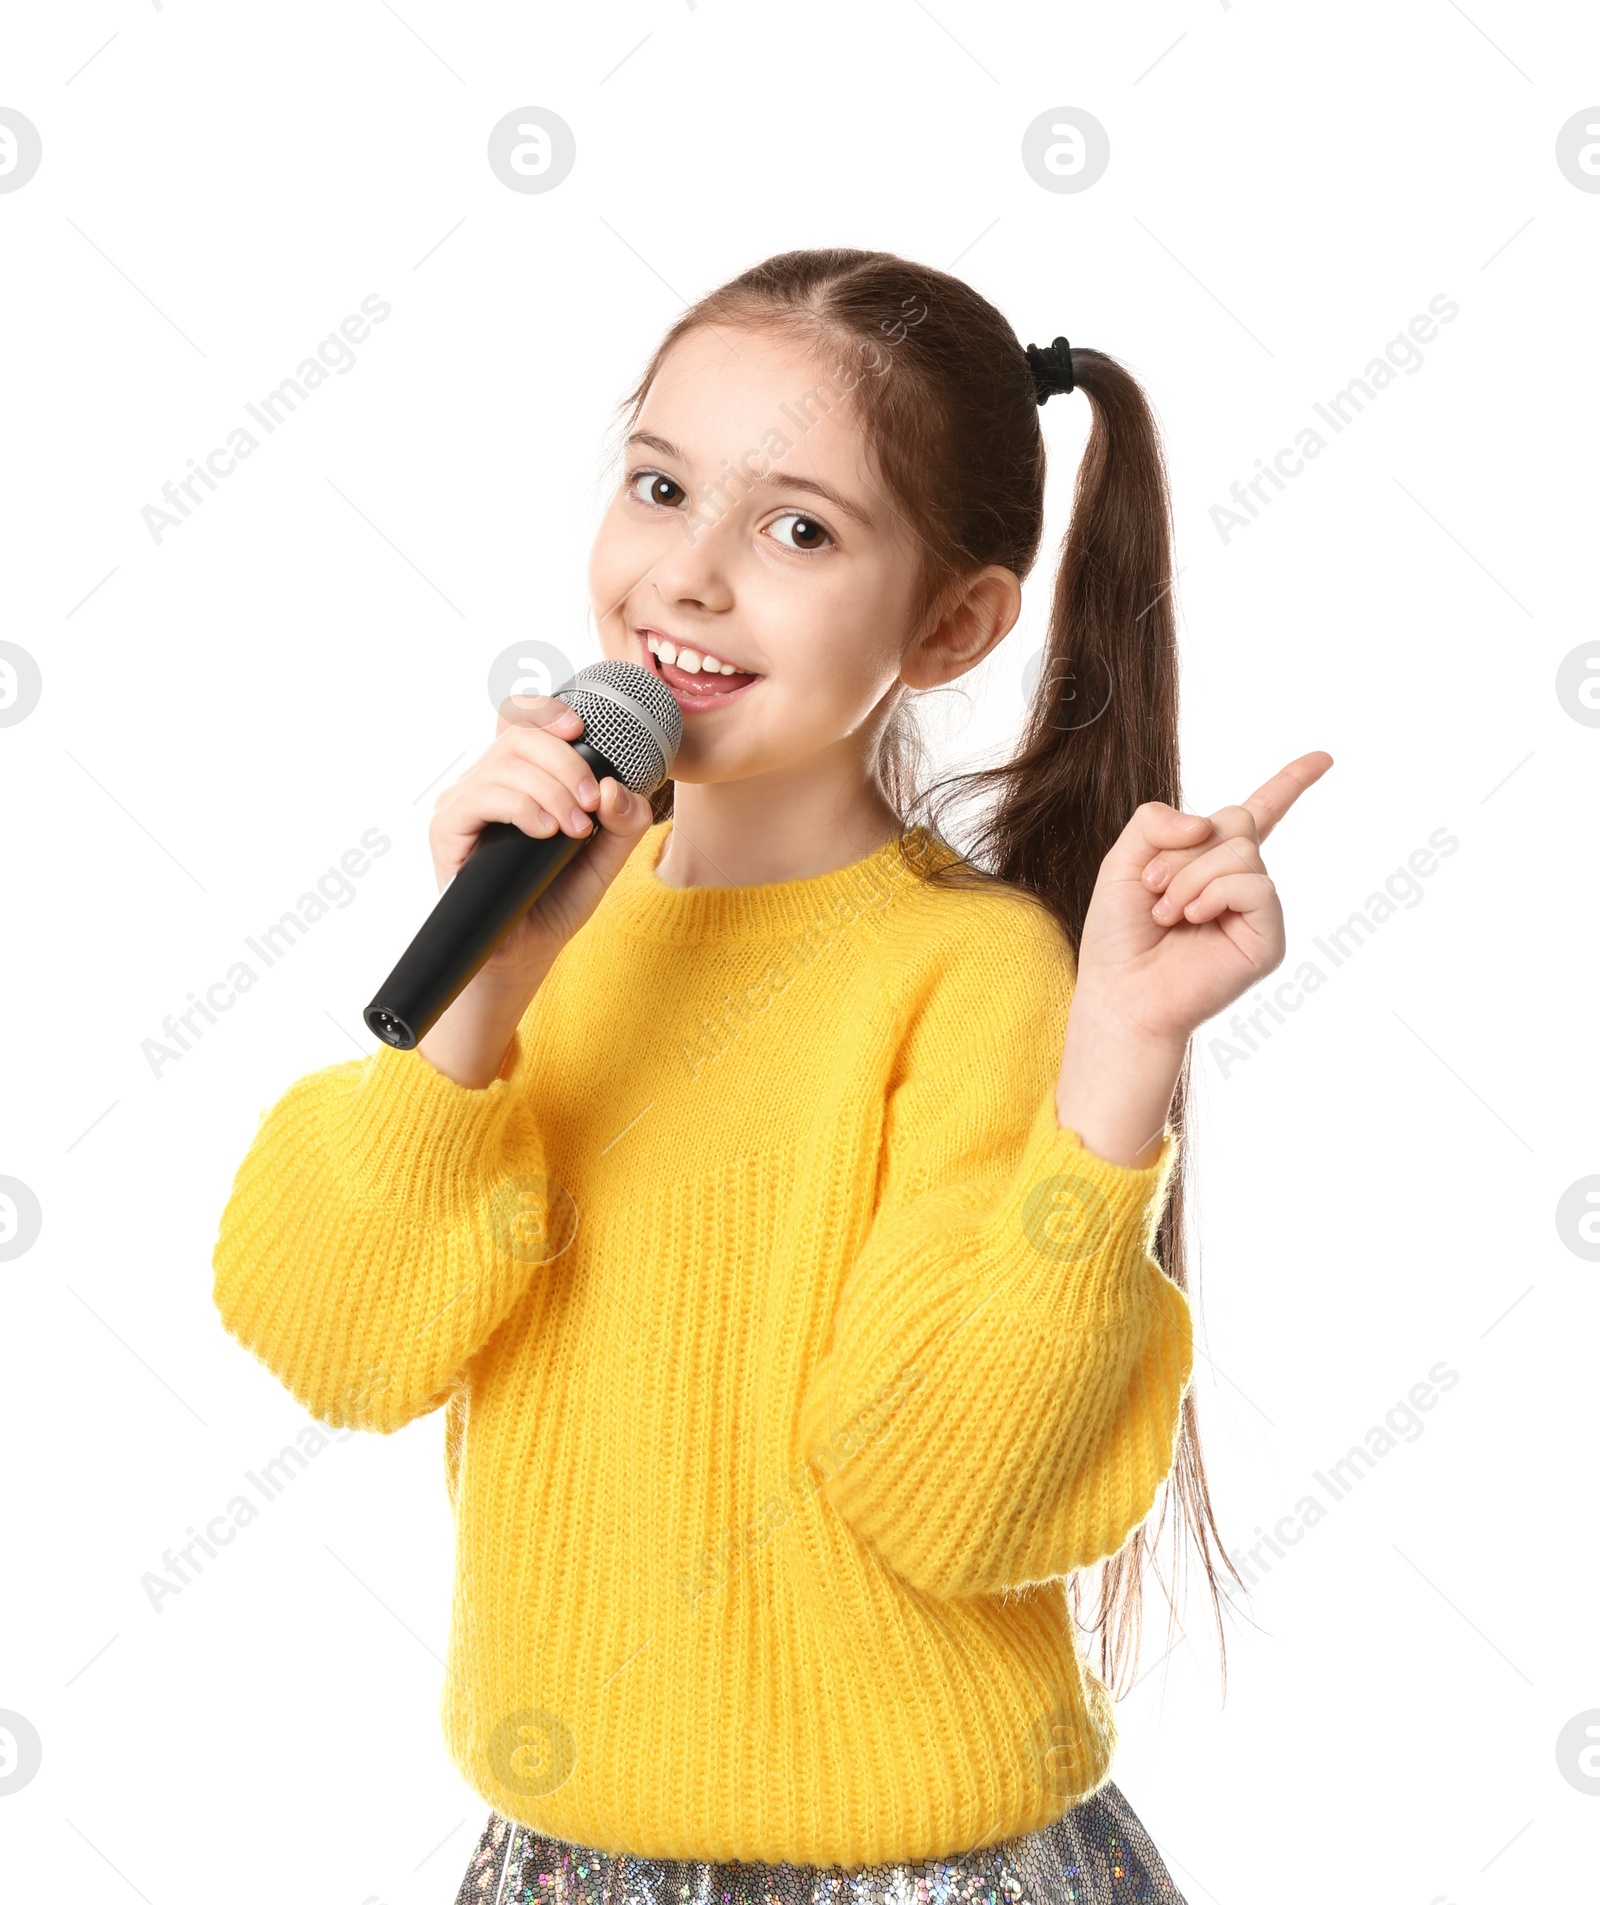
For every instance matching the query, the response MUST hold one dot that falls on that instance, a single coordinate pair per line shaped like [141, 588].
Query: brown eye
[808, 533]
[659, 489]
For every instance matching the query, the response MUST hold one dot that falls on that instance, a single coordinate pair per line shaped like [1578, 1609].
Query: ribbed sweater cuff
[407, 1128]
[1071, 1203]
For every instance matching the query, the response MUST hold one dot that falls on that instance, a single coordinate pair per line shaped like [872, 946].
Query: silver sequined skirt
[1096, 1854]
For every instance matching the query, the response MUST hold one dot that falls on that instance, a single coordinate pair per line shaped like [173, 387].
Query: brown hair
[945, 397]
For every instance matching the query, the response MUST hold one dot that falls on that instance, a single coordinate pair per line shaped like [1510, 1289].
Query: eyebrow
[808, 483]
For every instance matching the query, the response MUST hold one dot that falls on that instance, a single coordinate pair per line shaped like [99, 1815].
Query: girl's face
[748, 526]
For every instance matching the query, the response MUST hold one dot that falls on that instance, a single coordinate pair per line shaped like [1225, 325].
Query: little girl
[804, 1288]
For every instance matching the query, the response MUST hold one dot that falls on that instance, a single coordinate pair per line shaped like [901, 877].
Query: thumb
[625, 817]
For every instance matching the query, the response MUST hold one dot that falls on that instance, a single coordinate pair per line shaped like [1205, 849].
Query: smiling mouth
[699, 690]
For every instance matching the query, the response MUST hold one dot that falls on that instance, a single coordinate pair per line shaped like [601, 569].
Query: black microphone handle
[499, 880]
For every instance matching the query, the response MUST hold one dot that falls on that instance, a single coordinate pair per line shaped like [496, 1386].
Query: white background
[226, 712]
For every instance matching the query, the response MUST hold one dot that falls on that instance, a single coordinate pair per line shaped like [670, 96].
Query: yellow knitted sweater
[791, 1355]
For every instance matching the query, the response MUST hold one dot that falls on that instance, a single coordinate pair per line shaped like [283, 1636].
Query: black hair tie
[1052, 369]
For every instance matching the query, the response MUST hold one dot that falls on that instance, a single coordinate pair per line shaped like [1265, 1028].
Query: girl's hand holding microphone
[531, 777]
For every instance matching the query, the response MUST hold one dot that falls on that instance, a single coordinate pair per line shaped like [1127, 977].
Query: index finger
[1273, 798]
[532, 711]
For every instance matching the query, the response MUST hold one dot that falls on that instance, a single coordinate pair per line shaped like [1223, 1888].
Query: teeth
[688, 659]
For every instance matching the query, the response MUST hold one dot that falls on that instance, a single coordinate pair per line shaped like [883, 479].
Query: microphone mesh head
[629, 714]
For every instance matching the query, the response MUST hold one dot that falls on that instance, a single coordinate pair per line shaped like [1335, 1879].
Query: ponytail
[1101, 738]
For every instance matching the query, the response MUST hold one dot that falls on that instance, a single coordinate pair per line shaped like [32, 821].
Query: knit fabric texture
[791, 1356]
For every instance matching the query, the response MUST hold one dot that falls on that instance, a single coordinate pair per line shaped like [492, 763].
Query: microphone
[631, 730]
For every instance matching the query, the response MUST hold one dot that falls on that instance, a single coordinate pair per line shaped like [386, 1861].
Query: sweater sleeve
[999, 1399]
[380, 1227]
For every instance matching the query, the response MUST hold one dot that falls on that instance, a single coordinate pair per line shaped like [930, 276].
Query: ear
[980, 612]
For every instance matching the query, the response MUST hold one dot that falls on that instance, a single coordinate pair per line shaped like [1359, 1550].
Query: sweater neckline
[645, 905]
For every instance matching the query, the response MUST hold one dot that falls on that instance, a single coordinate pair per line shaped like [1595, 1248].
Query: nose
[694, 570]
